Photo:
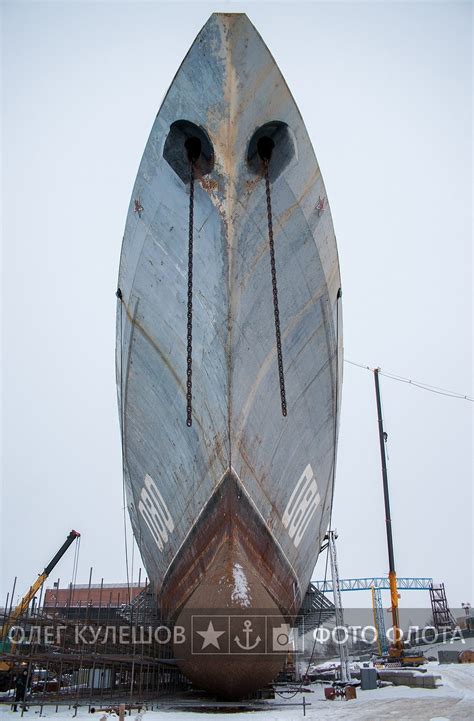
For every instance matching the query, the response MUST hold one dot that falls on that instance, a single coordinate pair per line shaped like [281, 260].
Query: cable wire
[75, 564]
[417, 384]
[124, 496]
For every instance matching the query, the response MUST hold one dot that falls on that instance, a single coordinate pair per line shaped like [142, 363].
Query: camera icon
[282, 638]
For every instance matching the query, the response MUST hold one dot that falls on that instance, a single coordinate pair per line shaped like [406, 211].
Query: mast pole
[336, 588]
[392, 575]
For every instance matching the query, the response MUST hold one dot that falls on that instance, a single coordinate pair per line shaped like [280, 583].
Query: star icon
[210, 637]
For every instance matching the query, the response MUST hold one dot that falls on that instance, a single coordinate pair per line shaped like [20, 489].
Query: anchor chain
[275, 289]
[189, 344]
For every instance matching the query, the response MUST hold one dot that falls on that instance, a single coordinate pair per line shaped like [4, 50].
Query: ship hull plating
[241, 499]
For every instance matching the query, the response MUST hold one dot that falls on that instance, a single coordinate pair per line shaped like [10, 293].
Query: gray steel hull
[282, 467]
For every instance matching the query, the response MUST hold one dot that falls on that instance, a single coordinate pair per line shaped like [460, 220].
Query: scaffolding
[339, 613]
[100, 649]
[443, 619]
[379, 620]
[315, 610]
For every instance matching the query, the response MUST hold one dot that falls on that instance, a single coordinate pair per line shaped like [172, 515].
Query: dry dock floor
[453, 701]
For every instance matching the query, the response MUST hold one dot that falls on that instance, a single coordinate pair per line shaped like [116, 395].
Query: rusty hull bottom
[225, 622]
[232, 591]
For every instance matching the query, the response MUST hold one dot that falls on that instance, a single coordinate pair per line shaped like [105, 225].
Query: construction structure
[379, 621]
[345, 671]
[411, 583]
[89, 643]
[19, 610]
[315, 610]
[101, 643]
[443, 619]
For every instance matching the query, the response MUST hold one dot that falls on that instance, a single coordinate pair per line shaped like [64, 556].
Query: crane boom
[392, 575]
[19, 610]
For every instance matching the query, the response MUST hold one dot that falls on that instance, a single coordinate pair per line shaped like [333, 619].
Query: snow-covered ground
[459, 646]
[453, 701]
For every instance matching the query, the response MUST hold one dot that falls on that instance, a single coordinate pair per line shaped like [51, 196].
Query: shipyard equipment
[22, 607]
[397, 650]
[339, 614]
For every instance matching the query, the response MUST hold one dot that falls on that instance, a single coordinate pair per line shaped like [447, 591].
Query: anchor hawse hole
[188, 143]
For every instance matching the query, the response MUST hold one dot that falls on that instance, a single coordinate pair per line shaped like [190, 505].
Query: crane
[22, 607]
[396, 651]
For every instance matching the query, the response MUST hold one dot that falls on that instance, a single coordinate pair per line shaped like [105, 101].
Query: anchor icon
[247, 630]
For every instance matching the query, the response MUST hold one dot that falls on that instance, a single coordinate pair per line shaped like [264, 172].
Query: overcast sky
[385, 91]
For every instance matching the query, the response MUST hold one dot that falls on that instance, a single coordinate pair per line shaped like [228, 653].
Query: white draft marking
[155, 513]
[302, 506]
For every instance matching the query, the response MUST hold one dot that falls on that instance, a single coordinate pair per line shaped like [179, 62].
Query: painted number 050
[155, 512]
[302, 506]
